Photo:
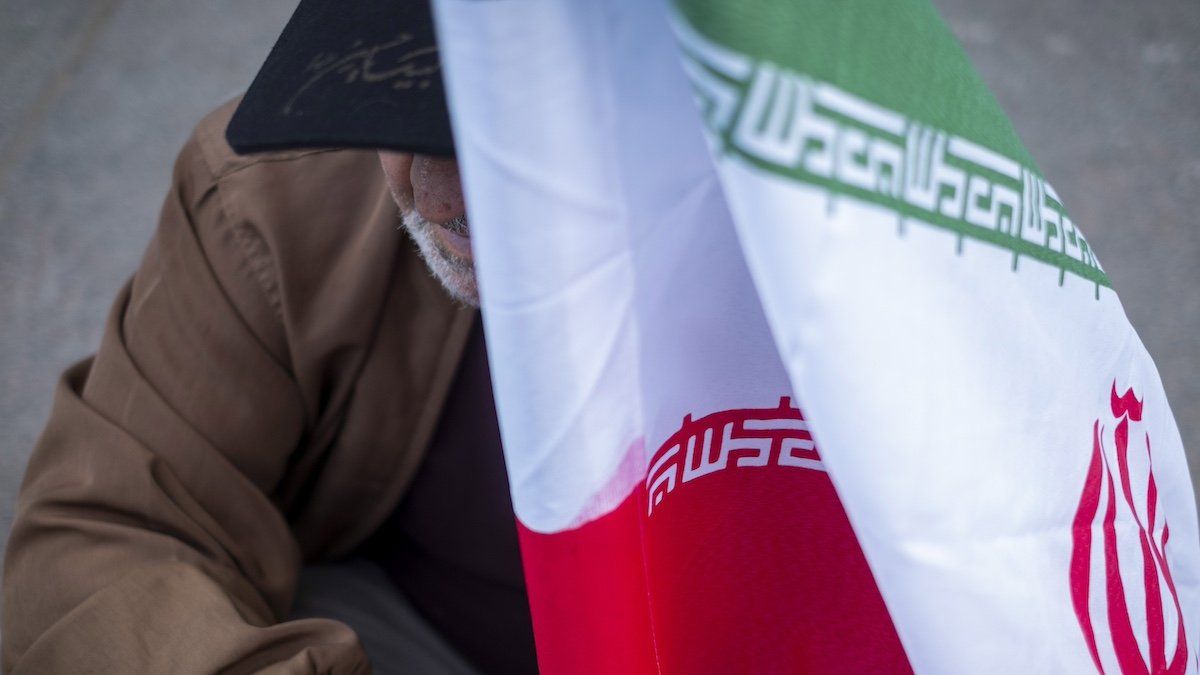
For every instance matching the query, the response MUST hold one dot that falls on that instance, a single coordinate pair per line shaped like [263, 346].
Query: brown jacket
[266, 386]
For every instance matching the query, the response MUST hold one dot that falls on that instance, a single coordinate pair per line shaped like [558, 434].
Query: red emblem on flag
[1123, 500]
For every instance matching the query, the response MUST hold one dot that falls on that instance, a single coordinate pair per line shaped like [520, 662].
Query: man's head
[367, 75]
[428, 191]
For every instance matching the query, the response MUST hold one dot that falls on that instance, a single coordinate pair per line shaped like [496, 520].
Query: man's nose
[437, 189]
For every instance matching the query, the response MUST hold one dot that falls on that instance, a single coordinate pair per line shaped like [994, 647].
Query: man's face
[429, 193]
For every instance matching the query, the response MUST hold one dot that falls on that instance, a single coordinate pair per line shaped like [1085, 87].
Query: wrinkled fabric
[265, 388]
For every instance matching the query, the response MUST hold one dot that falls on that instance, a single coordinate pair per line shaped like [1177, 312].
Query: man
[280, 383]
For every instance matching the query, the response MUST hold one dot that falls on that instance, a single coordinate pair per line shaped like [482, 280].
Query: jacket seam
[267, 159]
[225, 222]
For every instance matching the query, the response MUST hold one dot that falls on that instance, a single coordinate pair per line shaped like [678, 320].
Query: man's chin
[457, 246]
[455, 272]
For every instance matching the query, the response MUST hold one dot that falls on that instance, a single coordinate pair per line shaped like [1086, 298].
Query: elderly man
[283, 383]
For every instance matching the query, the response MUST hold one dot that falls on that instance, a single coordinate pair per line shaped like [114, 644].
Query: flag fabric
[800, 363]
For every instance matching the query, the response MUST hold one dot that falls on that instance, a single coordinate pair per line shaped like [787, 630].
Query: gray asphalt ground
[95, 98]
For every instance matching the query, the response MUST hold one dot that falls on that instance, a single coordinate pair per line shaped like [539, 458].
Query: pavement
[98, 96]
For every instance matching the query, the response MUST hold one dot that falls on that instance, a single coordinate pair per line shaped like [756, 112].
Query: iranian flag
[800, 362]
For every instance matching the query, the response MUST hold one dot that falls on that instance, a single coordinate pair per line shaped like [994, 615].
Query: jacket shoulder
[307, 247]
[304, 244]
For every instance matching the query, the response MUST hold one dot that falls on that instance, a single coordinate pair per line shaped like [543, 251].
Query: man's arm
[145, 540]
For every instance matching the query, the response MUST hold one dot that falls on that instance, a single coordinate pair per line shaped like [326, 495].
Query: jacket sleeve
[146, 539]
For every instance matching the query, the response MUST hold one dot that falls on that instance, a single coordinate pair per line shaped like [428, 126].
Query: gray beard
[456, 274]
